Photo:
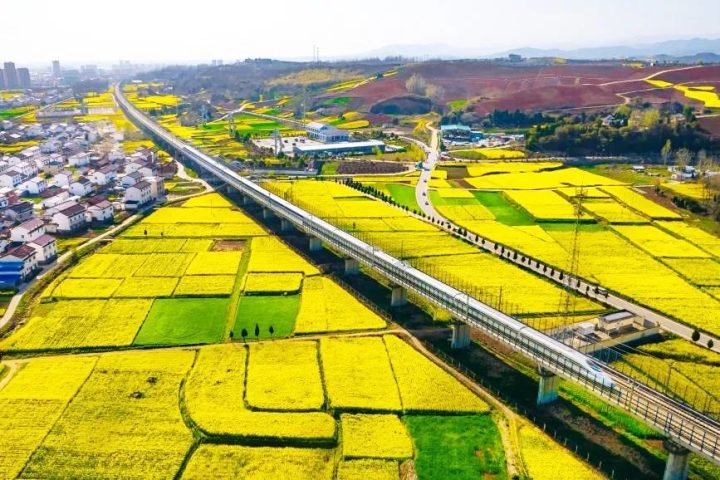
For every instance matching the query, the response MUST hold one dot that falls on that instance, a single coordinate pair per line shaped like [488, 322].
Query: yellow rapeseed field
[146, 287]
[327, 307]
[214, 263]
[284, 376]
[701, 238]
[101, 265]
[640, 203]
[80, 323]
[86, 288]
[230, 462]
[104, 431]
[544, 204]
[214, 398]
[658, 243]
[365, 469]
[214, 200]
[375, 436]
[358, 375]
[205, 285]
[165, 265]
[541, 180]
[543, 457]
[287, 282]
[32, 402]
[426, 387]
[613, 212]
[270, 254]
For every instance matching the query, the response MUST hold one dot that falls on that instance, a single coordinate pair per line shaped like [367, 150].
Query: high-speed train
[546, 351]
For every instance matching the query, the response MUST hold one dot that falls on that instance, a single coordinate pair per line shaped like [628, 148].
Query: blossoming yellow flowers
[375, 436]
[284, 376]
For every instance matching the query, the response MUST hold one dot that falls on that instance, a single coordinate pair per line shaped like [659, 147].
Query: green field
[504, 211]
[184, 321]
[404, 195]
[265, 311]
[457, 448]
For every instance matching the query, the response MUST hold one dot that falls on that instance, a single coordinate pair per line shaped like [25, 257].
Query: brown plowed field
[509, 87]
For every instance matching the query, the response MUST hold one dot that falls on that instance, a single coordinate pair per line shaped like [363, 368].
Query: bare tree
[416, 84]
[683, 157]
[666, 151]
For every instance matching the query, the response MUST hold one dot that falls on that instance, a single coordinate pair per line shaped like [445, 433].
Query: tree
[683, 157]
[244, 333]
[695, 336]
[666, 151]
[257, 330]
[710, 344]
[271, 330]
[416, 84]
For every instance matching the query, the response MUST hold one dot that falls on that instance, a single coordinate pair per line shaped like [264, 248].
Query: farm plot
[613, 212]
[542, 457]
[228, 462]
[284, 376]
[643, 205]
[465, 212]
[658, 243]
[551, 179]
[132, 391]
[375, 436]
[358, 375]
[412, 245]
[193, 230]
[32, 402]
[273, 315]
[80, 323]
[184, 321]
[485, 168]
[101, 265]
[214, 263]
[214, 397]
[205, 286]
[165, 265]
[86, 288]
[211, 200]
[701, 238]
[269, 254]
[544, 204]
[146, 287]
[428, 388]
[462, 447]
[156, 245]
[327, 307]
[273, 283]
[701, 271]
[368, 468]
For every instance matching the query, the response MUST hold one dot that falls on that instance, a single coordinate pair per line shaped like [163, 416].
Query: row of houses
[76, 176]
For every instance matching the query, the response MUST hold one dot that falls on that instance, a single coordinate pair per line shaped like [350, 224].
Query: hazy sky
[36, 31]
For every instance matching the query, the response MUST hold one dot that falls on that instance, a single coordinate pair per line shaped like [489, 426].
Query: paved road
[580, 286]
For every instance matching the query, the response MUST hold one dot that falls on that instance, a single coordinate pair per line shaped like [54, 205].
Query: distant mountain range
[692, 50]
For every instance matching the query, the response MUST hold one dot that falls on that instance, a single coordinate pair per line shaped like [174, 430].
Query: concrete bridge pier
[548, 388]
[460, 335]
[285, 225]
[267, 213]
[315, 244]
[246, 201]
[398, 297]
[352, 266]
[678, 461]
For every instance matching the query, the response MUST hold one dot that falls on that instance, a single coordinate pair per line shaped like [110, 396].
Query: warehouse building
[322, 132]
[341, 148]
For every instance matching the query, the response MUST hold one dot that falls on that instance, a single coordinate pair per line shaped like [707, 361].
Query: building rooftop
[43, 240]
[338, 146]
[32, 224]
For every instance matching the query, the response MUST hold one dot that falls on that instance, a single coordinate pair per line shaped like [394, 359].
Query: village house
[79, 159]
[131, 179]
[81, 187]
[64, 178]
[36, 185]
[69, 219]
[104, 175]
[18, 265]
[138, 195]
[28, 231]
[19, 212]
[11, 178]
[99, 210]
[46, 248]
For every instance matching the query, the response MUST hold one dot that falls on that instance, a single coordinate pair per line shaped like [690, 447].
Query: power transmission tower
[567, 306]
